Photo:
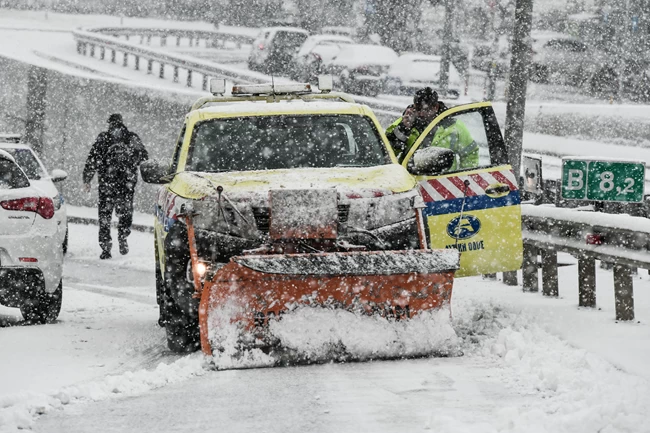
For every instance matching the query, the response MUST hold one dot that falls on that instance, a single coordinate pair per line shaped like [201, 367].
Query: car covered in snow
[414, 71]
[39, 177]
[274, 49]
[31, 251]
[234, 151]
[358, 68]
[316, 50]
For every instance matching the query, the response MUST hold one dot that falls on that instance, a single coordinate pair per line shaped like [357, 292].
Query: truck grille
[262, 216]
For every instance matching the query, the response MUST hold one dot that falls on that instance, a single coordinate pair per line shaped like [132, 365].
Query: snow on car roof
[10, 138]
[357, 54]
[282, 107]
[286, 29]
[544, 35]
[5, 155]
[334, 38]
[10, 145]
[418, 56]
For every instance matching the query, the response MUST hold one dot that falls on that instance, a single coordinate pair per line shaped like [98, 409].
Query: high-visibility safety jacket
[450, 133]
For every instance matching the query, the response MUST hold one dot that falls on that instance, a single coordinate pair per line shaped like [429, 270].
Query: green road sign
[603, 180]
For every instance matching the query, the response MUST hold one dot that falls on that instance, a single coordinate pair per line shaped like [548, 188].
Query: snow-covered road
[530, 364]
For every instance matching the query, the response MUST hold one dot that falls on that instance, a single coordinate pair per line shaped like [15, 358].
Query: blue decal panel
[475, 203]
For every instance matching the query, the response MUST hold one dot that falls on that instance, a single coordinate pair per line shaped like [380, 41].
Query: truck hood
[387, 179]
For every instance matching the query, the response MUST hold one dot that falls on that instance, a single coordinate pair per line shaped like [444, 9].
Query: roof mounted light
[270, 89]
[217, 86]
[325, 83]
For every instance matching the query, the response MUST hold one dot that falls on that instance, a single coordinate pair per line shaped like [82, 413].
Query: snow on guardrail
[89, 40]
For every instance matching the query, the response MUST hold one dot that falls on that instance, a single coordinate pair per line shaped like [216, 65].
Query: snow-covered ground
[530, 363]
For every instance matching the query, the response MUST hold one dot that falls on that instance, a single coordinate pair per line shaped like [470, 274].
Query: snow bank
[19, 411]
[580, 391]
[614, 221]
[316, 335]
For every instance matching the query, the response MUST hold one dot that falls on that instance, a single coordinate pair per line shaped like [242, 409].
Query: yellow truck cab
[234, 149]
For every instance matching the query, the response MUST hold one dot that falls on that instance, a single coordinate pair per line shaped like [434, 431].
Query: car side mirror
[155, 172]
[431, 161]
[58, 175]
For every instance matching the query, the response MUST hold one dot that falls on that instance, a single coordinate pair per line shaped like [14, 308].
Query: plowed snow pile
[316, 335]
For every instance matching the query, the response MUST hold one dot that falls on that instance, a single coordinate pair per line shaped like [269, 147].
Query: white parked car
[415, 71]
[315, 50]
[31, 253]
[274, 49]
[38, 176]
[358, 68]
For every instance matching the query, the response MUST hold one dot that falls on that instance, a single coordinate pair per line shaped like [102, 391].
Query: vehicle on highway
[39, 177]
[359, 68]
[413, 71]
[562, 58]
[274, 49]
[277, 196]
[31, 252]
[312, 53]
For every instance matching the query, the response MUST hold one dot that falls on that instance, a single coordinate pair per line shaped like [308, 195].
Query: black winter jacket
[115, 173]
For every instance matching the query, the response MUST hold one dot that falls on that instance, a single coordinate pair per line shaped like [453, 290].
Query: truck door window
[473, 135]
[465, 135]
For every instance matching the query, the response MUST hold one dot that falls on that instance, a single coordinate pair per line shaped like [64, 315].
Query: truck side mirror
[431, 161]
[154, 172]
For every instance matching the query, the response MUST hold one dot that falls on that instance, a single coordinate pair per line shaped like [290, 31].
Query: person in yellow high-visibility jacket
[450, 133]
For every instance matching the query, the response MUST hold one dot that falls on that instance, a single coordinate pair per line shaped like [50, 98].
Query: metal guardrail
[194, 37]
[619, 241]
[93, 41]
[89, 42]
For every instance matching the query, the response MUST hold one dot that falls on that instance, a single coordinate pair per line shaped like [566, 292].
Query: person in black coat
[115, 156]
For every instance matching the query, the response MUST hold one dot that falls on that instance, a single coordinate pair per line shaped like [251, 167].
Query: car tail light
[28, 259]
[260, 46]
[41, 205]
[594, 239]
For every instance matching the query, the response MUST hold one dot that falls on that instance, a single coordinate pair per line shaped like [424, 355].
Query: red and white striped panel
[452, 187]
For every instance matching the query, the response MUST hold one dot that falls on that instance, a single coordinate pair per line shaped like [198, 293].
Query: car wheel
[64, 247]
[604, 83]
[180, 313]
[539, 74]
[45, 307]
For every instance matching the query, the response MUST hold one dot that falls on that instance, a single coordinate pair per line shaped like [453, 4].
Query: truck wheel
[182, 332]
[45, 307]
[161, 295]
[65, 242]
[180, 309]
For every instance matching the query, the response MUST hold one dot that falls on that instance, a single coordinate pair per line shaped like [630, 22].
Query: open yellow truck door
[475, 206]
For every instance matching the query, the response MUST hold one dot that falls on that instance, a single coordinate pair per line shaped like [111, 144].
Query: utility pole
[518, 82]
[492, 73]
[447, 38]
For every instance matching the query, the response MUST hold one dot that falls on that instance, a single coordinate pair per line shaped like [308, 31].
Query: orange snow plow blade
[396, 284]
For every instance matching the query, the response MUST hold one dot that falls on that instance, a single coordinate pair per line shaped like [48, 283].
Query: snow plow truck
[284, 196]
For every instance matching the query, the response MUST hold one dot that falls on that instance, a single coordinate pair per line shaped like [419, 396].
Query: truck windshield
[284, 142]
